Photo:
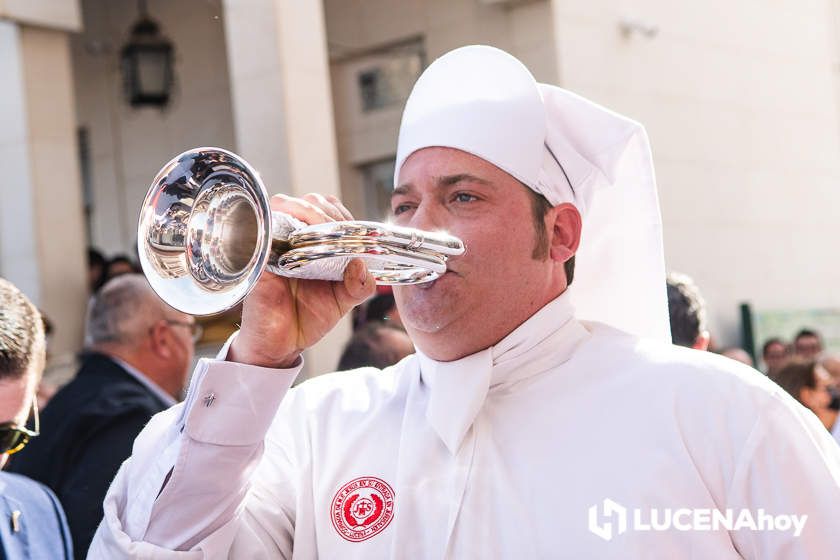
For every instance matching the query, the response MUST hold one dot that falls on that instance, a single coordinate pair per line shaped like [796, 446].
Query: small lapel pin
[16, 521]
[209, 399]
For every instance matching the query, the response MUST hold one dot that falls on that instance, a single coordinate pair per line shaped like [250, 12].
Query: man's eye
[464, 197]
[400, 208]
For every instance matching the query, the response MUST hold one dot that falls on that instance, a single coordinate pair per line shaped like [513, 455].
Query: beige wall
[740, 103]
[41, 198]
[55, 178]
[18, 240]
[55, 14]
[356, 29]
[129, 146]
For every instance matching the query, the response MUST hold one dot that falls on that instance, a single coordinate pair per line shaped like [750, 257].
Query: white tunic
[498, 455]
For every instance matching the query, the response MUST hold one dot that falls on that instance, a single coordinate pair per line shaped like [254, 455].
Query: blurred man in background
[775, 354]
[376, 345]
[138, 354]
[382, 307]
[119, 265]
[687, 311]
[807, 344]
[32, 524]
[738, 354]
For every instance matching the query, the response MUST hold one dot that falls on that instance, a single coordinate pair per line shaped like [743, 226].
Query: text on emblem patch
[362, 508]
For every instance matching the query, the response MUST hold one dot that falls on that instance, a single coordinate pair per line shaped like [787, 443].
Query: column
[42, 241]
[282, 106]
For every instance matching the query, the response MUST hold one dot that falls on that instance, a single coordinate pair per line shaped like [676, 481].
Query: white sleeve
[184, 486]
[789, 465]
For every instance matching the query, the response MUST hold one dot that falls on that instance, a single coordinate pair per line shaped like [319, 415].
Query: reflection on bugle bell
[207, 232]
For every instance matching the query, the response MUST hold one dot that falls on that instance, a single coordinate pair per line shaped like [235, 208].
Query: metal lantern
[147, 64]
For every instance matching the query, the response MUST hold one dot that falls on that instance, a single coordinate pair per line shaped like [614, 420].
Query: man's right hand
[282, 316]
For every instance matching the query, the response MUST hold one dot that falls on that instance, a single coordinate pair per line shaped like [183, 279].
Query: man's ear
[565, 228]
[703, 341]
[160, 340]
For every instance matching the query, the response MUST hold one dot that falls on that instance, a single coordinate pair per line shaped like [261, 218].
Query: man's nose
[428, 216]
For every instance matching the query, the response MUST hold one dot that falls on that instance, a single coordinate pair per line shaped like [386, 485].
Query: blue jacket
[87, 431]
[32, 523]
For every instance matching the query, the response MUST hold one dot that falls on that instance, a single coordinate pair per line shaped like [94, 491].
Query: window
[388, 79]
[378, 179]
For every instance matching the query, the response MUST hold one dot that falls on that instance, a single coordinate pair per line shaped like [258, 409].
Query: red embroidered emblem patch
[362, 508]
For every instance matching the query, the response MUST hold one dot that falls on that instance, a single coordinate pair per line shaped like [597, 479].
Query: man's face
[807, 347]
[15, 402]
[180, 326]
[497, 283]
[775, 356]
[172, 347]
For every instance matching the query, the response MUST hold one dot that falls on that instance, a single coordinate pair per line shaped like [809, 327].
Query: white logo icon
[616, 515]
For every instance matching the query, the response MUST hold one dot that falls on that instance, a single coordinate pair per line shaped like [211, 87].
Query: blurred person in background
[380, 308]
[383, 308]
[46, 387]
[376, 345]
[739, 355]
[32, 523]
[809, 383]
[775, 354]
[687, 312]
[831, 363]
[807, 344]
[96, 269]
[135, 365]
[119, 265]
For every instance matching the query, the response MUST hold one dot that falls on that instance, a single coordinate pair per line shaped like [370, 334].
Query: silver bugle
[206, 233]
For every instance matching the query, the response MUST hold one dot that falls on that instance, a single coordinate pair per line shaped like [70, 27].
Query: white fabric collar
[459, 388]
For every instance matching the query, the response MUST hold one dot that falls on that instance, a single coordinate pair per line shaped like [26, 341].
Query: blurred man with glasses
[807, 344]
[138, 354]
[32, 523]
